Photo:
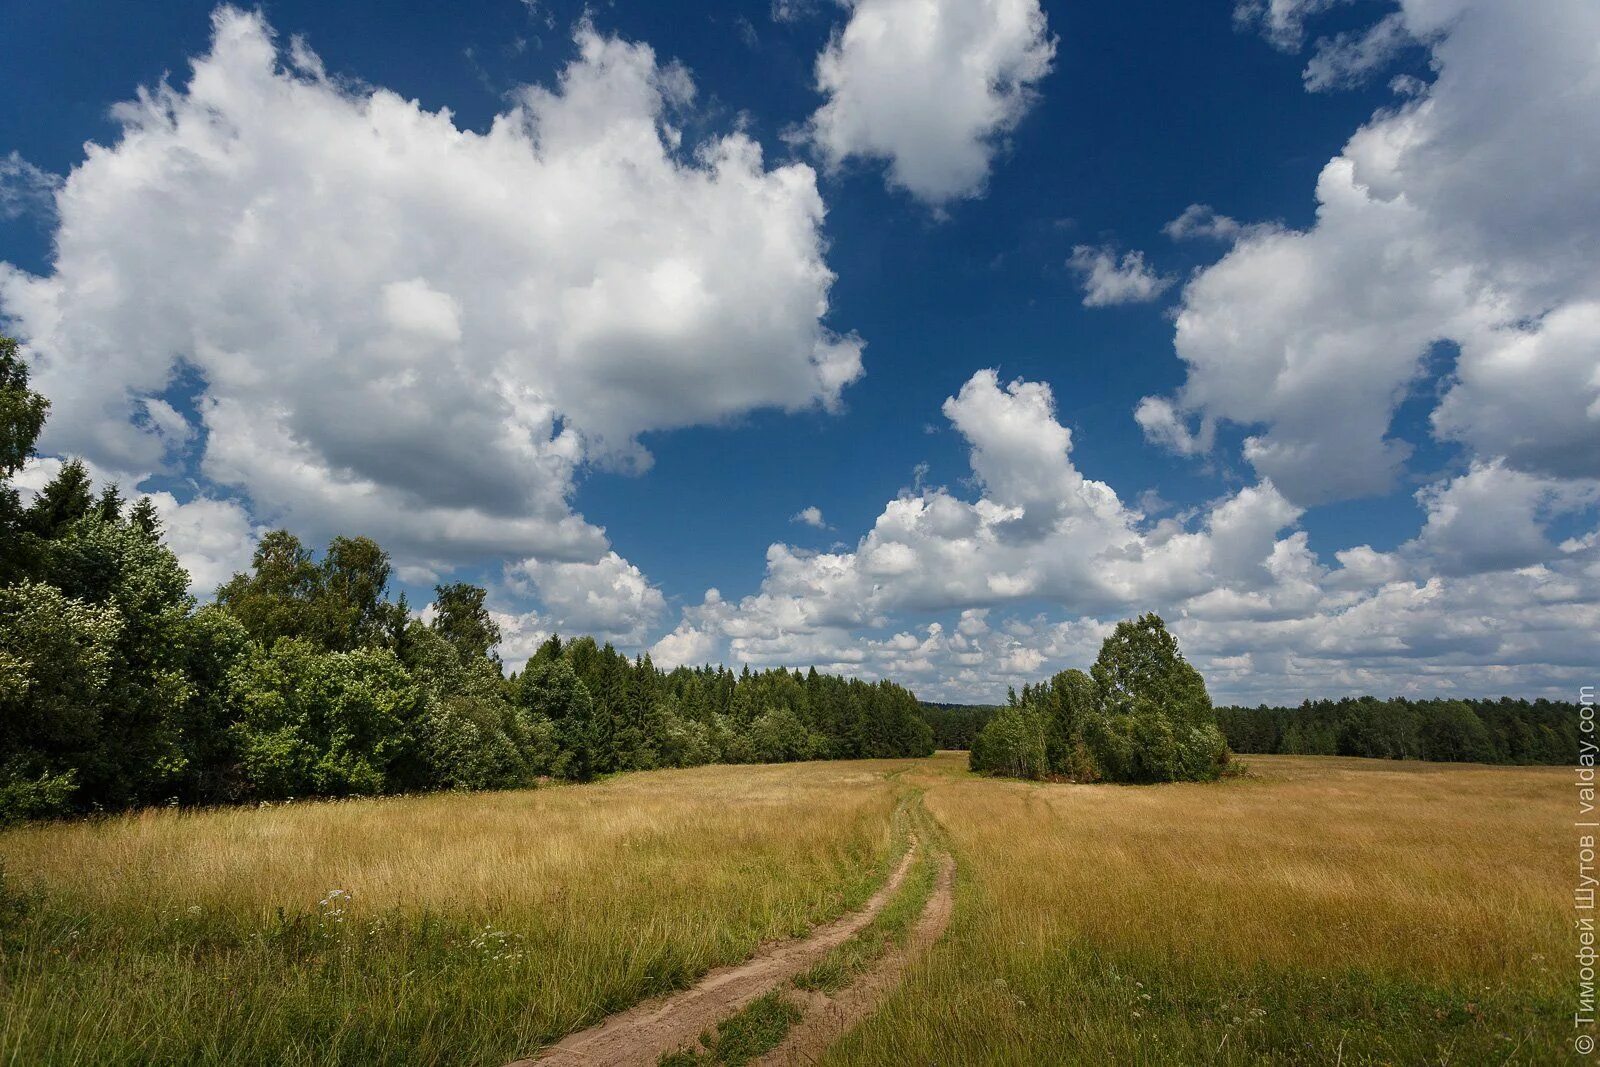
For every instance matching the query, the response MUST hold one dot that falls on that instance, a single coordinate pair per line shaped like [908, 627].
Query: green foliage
[316, 723]
[22, 411]
[64, 500]
[337, 605]
[1142, 714]
[461, 618]
[472, 735]
[1013, 744]
[552, 691]
[956, 726]
[1141, 669]
[1070, 705]
[1453, 734]
[1485, 731]
[139, 756]
[208, 645]
[686, 742]
[33, 795]
[779, 736]
[56, 660]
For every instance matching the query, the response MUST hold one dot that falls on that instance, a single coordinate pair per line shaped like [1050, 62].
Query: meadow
[449, 928]
[1316, 910]
[1319, 910]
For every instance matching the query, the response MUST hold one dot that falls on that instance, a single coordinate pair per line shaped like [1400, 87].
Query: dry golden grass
[1321, 909]
[476, 926]
[1318, 911]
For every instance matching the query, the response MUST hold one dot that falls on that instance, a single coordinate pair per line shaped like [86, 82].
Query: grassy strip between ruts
[761, 1026]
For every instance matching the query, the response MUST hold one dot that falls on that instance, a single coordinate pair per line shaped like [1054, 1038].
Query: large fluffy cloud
[413, 330]
[930, 86]
[1027, 578]
[1466, 215]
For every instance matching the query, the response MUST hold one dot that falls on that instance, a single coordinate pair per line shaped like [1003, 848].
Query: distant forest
[1475, 731]
[956, 726]
[1454, 731]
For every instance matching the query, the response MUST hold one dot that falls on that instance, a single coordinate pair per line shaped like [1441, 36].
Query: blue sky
[1316, 325]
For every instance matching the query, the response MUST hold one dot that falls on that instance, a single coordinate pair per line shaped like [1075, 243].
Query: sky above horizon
[920, 339]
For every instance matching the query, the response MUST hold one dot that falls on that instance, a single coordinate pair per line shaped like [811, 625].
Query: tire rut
[828, 1017]
[640, 1035]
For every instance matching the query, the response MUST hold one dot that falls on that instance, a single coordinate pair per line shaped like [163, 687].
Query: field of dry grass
[467, 928]
[1317, 911]
[1321, 910]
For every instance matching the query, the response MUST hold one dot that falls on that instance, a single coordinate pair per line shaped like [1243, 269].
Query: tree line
[1141, 714]
[1452, 731]
[306, 677]
[956, 726]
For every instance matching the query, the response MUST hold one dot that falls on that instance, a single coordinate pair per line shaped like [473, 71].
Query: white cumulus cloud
[1480, 600]
[412, 330]
[810, 516]
[1467, 215]
[1108, 280]
[931, 87]
[610, 598]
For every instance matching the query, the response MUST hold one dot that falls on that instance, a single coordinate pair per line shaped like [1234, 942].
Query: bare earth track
[827, 1017]
[643, 1033]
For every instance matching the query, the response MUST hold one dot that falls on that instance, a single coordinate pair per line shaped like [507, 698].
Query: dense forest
[307, 678]
[956, 726]
[1456, 731]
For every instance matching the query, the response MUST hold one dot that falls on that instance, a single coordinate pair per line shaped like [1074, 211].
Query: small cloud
[1202, 220]
[1151, 502]
[536, 13]
[792, 10]
[1165, 425]
[1349, 59]
[932, 89]
[1108, 281]
[811, 516]
[26, 189]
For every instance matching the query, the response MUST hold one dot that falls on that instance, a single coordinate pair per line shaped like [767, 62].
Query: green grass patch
[741, 1038]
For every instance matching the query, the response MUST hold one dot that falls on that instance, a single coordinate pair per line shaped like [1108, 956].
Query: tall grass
[1320, 911]
[444, 929]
